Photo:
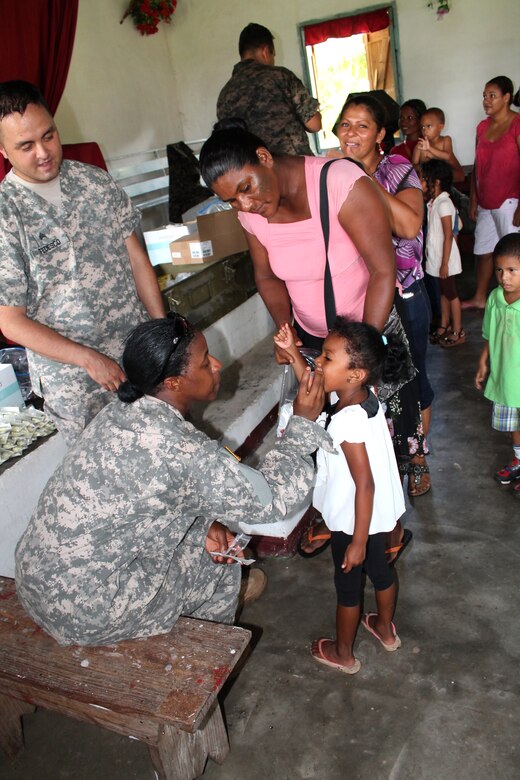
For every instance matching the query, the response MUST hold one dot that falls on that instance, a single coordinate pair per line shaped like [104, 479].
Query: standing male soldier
[271, 100]
[74, 277]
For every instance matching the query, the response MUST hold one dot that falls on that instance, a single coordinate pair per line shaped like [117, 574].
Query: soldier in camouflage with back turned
[74, 277]
[272, 101]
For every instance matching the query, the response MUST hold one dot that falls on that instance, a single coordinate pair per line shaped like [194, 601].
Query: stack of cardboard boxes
[211, 237]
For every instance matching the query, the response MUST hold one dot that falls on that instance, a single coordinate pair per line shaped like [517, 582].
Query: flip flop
[400, 548]
[322, 659]
[308, 538]
[396, 644]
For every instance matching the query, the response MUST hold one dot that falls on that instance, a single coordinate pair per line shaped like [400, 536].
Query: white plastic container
[17, 357]
[10, 394]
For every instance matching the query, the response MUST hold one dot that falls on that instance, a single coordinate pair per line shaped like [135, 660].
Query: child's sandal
[455, 338]
[439, 335]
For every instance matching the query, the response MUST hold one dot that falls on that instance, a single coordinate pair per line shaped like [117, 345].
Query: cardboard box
[224, 231]
[158, 241]
[189, 250]
[10, 394]
[218, 235]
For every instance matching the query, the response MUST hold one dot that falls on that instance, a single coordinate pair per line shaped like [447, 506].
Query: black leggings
[348, 586]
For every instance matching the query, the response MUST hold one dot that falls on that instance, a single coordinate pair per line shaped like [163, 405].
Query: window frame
[394, 48]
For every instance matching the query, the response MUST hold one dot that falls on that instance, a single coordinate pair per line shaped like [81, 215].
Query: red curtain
[347, 26]
[86, 152]
[37, 43]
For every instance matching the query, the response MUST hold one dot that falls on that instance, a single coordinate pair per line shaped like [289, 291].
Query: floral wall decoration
[147, 14]
[441, 7]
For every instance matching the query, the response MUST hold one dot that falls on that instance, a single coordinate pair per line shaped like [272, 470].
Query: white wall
[132, 93]
[445, 62]
[120, 90]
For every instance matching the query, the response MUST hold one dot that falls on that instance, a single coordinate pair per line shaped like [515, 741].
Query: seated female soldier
[120, 543]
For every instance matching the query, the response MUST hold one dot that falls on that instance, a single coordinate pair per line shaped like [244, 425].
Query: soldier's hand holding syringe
[235, 551]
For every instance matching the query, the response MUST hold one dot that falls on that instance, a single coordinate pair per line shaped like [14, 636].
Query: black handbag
[393, 324]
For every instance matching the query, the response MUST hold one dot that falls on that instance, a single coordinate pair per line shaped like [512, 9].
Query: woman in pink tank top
[278, 197]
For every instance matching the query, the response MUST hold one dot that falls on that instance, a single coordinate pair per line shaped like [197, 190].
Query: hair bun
[230, 123]
[128, 393]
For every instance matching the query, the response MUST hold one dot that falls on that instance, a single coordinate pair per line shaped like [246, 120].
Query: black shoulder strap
[370, 405]
[330, 303]
[330, 411]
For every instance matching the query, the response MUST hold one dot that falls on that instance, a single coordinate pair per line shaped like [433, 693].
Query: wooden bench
[161, 690]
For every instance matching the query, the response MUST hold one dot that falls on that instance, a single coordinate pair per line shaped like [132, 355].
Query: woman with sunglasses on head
[129, 531]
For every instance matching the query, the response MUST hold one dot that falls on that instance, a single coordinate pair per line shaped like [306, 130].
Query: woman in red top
[410, 125]
[495, 185]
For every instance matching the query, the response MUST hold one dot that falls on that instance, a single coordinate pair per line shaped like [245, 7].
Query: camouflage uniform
[274, 103]
[70, 269]
[115, 547]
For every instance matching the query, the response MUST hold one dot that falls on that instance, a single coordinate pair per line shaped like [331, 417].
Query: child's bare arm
[359, 466]
[422, 152]
[285, 340]
[416, 156]
[438, 150]
[483, 369]
[447, 230]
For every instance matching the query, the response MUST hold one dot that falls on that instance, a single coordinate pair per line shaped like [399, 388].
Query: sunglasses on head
[181, 326]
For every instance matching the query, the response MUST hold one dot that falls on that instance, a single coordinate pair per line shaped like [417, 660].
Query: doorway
[356, 53]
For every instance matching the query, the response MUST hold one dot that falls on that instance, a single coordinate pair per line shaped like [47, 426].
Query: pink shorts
[493, 224]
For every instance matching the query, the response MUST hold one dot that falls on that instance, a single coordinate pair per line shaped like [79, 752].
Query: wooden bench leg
[180, 755]
[11, 732]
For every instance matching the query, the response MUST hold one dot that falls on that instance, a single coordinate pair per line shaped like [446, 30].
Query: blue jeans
[431, 284]
[415, 312]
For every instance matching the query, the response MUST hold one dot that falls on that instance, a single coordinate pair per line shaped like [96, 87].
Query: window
[349, 54]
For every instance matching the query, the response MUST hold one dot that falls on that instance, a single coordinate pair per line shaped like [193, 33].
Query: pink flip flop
[321, 659]
[396, 644]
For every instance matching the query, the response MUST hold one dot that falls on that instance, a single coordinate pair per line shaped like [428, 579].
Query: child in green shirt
[501, 331]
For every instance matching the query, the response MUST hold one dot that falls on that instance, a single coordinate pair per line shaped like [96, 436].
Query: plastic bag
[17, 357]
[290, 389]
